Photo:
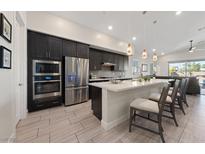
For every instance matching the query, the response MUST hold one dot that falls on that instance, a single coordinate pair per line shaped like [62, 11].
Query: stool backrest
[182, 86]
[163, 98]
[175, 90]
[187, 83]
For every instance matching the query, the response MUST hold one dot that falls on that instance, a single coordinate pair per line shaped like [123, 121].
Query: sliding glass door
[177, 69]
[195, 68]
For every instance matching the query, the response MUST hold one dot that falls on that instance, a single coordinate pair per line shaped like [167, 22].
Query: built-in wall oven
[46, 79]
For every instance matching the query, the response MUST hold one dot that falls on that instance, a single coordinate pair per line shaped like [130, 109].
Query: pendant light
[129, 47]
[154, 57]
[129, 50]
[144, 54]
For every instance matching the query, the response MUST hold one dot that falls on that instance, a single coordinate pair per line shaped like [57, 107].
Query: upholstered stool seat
[145, 105]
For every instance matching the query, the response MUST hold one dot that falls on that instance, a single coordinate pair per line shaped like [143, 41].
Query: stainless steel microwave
[46, 67]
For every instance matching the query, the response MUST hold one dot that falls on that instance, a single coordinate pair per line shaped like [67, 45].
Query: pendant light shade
[144, 54]
[154, 58]
[129, 50]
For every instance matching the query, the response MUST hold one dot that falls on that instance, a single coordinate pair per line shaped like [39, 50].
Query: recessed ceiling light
[178, 12]
[201, 28]
[144, 12]
[153, 50]
[110, 27]
[154, 22]
[134, 38]
[162, 53]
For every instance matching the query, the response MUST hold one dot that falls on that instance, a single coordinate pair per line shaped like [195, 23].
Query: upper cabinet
[41, 46]
[121, 63]
[54, 48]
[95, 59]
[82, 50]
[125, 61]
[73, 49]
[108, 57]
[37, 45]
[69, 48]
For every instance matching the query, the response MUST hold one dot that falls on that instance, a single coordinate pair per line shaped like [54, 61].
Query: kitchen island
[110, 102]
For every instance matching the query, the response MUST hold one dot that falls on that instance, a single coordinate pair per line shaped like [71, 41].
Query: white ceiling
[170, 33]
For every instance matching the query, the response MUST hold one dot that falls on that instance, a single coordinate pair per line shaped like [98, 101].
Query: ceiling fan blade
[200, 49]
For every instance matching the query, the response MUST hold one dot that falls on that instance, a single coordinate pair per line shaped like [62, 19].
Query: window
[187, 68]
[135, 67]
[177, 69]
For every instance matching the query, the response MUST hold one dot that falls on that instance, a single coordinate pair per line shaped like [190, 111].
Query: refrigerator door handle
[74, 88]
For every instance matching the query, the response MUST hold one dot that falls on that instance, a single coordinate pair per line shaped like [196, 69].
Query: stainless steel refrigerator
[76, 80]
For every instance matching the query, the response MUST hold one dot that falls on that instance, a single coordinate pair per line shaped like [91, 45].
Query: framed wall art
[5, 58]
[5, 28]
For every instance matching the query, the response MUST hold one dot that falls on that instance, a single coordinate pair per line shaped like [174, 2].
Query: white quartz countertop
[126, 84]
[105, 79]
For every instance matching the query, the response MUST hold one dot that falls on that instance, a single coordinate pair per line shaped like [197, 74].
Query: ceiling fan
[199, 46]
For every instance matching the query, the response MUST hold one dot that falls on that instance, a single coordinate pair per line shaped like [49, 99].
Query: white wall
[177, 56]
[51, 24]
[7, 87]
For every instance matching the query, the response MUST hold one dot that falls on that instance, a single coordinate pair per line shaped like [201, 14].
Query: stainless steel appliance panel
[45, 67]
[76, 72]
[71, 71]
[76, 95]
[82, 71]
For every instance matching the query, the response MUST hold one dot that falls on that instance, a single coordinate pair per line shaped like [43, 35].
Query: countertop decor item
[5, 58]
[5, 28]
[116, 81]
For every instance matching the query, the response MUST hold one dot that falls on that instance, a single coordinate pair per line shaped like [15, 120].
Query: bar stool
[184, 96]
[169, 102]
[150, 107]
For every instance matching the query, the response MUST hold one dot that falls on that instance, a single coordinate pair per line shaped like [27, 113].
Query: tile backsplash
[107, 73]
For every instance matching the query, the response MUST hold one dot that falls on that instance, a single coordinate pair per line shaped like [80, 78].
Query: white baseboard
[109, 125]
[12, 137]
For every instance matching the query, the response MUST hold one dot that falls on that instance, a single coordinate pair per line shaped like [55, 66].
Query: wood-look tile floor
[77, 124]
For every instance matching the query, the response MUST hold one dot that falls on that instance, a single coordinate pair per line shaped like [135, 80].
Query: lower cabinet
[44, 103]
[96, 99]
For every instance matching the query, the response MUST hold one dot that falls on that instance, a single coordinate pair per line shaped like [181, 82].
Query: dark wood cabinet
[96, 96]
[82, 50]
[37, 45]
[125, 62]
[54, 48]
[108, 57]
[121, 63]
[73, 49]
[69, 48]
[42, 46]
[95, 59]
